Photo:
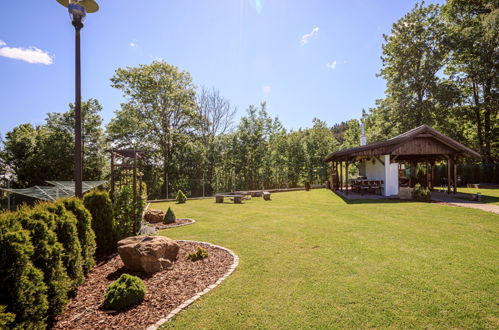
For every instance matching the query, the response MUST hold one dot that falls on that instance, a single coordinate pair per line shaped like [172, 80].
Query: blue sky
[306, 59]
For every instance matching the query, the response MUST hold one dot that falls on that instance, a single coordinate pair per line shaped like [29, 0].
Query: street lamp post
[77, 11]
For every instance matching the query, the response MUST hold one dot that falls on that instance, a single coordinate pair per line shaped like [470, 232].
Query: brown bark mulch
[177, 223]
[166, 290]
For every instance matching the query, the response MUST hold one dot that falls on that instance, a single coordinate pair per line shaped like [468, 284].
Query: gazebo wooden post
[449, 163]
[341, 176]
[455, 175]
[112, 174]
[346, 175]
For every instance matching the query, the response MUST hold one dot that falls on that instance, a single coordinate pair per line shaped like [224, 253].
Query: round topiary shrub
[169, 216]
[126, 291]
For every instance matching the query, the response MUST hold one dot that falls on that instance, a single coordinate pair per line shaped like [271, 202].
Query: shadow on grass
[372, 201]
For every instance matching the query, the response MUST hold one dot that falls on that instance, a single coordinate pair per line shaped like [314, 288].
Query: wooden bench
[266, 195]
[238, 199]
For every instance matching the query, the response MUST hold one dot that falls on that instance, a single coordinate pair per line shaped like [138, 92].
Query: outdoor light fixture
[77, 11]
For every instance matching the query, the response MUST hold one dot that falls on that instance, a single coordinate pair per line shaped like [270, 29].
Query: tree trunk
[478, 119]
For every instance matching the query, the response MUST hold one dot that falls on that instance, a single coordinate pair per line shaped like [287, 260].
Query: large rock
[148, 254]
[154, 216]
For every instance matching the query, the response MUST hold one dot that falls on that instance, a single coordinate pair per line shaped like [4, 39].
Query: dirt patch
[166, 290]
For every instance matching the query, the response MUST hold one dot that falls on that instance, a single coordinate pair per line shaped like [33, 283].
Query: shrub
[100, 206]
[86, 235]
[6, 319]
[127, 215]
[67, 234]
[421, 193]
[198, 254]
[169, 216]
[126, 291]
[21, 284]
[307, 186]
[48, 255]
[181, 198]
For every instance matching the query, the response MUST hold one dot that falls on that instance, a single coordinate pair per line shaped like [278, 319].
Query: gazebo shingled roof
[430, 143]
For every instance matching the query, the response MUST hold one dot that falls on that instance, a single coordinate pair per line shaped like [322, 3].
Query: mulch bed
[166, 290]
[177, 223]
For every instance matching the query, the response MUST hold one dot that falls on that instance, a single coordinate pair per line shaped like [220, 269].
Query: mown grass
[309, 260]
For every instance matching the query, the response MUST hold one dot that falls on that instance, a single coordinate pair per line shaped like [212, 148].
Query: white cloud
[332, 65]
[133, 44]
[267, 89]
[306, 37]
[30, 55]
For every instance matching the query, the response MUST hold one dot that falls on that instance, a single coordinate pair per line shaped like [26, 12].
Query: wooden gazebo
[422, 144]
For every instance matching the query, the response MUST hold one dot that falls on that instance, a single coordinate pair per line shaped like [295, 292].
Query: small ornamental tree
[100, 206]
[181, 198]
[169, 216]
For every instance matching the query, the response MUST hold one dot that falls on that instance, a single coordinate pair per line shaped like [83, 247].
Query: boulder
[154, 216]
[148, 254]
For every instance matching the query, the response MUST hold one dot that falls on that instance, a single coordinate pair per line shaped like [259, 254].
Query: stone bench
[266, 195]
[238, 199]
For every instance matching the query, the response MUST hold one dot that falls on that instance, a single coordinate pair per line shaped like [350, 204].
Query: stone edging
[198, 295]
[179, 225]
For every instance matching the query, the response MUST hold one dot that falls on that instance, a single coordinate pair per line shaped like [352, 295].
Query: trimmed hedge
[21, 283]
[469, 173]
[67, 234]
[126, 291]
[86, 235]
[100, 206]
[48, 255]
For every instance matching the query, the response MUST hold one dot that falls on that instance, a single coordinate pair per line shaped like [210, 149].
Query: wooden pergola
[126, 160]
[422, 144]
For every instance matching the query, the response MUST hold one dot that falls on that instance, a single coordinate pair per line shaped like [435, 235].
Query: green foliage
[198, 254]
[126, 291]
[421, 193]
[126, 221]
[181, 198]
[45, 152]
[86, 234]
[48, 256]
[6, 319]
[22, 285]
[169, 216]
[100, 206]
[67, 234]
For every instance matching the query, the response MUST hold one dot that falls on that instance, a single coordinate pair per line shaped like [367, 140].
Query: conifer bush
[67, 234]
[169, 216]
[181, 198]
[21, 283]
[100, 206]
[86, 235]
[420, 193]
[126, 291]
[48, 255]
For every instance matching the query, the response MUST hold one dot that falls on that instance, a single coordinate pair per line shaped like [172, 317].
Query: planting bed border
[198, 295]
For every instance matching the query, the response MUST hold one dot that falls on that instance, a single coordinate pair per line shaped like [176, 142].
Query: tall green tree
[161, 99]
[413, 54]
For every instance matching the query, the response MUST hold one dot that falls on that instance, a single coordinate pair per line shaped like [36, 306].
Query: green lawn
[309, 260]
[490, 196]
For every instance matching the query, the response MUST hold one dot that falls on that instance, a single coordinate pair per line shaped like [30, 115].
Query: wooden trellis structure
[122, 162]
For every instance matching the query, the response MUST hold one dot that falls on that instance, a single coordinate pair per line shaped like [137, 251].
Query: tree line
[439, 64]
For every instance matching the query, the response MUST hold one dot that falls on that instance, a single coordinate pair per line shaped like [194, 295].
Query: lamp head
[90, 6]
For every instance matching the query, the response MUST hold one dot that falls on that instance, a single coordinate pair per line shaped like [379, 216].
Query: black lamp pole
[78, 145]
